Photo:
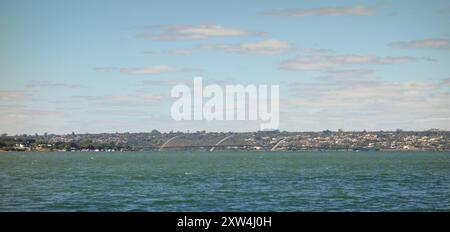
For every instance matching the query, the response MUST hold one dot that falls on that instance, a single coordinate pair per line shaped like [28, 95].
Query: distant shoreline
[432, 140]
[231, 151]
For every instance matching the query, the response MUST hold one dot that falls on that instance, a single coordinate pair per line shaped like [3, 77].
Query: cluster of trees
[34, 142]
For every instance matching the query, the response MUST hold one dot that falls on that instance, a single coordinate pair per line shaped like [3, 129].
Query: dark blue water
[225, 181]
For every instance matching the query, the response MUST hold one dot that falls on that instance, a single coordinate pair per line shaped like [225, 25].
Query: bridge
[221, 141]
[219, 144]
[278, 144]
[168, 141]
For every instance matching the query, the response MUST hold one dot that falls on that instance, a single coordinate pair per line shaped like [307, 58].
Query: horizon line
[228, 132]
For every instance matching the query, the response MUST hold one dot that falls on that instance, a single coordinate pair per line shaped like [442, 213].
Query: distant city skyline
[109, 66]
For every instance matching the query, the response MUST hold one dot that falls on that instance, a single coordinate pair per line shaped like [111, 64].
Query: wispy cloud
[349, 74]
[445, 83]
[166, 82]
[332, 61]
[175, 52]
[21, 118]
[15, 95]
[148, 70]
[263, 47]
[188, 82]
[18, 113]
[121, 99]
[158, 69]
[106, 69]
[191, 32]
[357, 93]
[385, 104]
[179, 52]
[423, 43]
[49, 84]
[326, 11]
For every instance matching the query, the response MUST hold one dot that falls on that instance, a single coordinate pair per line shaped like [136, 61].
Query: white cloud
[175, 52]
[123, 100]
[166, 82]
[132, 99]
[424, 43]
[325, 11]
[179, 52]
[332, 61]
[157, 69]
[365, 93]
[445, 82]
[49, 84]
[106, 69]
[372, 104]
[349, 74]
[188, 82]
[148, 70]
[15, 95]
[186, 32]
[263, 47]
[25, 119]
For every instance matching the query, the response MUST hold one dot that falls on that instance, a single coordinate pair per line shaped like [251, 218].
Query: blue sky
[107, 66]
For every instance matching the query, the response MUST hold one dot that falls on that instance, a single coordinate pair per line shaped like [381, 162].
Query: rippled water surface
[225, 181]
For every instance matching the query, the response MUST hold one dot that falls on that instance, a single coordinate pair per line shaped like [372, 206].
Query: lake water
[225, 181]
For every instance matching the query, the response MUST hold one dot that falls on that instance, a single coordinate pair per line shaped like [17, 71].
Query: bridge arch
[221, 141]
[276, 145]
[168, 141]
